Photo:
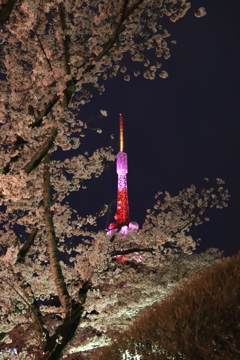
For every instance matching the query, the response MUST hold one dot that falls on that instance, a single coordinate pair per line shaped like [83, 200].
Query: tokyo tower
[122, 216]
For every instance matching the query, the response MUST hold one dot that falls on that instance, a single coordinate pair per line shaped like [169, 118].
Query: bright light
[11, 351]
[128, 356]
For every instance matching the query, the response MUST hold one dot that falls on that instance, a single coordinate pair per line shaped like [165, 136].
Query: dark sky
[181, 129]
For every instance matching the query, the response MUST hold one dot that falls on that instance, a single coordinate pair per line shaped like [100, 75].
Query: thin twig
[43, 50]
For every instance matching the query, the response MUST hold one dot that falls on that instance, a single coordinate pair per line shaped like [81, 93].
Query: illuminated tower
[122, 218]
[122, 215]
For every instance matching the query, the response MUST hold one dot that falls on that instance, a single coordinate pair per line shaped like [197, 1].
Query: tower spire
[121, 141]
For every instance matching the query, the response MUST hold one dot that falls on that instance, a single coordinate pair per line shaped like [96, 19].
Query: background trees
[52, 55]
[199, 321]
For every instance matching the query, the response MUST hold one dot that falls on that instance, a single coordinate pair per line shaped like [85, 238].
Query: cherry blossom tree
[90, 294]
[58, 296]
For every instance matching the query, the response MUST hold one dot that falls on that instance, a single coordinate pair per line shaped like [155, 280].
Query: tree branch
[47, 110]
[18, 144]
[52, 244]
[43, 50]
[130, 251]
[66, 331]
[37, 317]
[40, 154]
[66, 40]
[70, 86]
[25, 248]
[119, 29]
[20, 141]
[185, 225]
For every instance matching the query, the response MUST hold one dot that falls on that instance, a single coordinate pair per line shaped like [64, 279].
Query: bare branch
[43, 50]
[192, 219]
[130, 251]
[25, 248]
[40, 154]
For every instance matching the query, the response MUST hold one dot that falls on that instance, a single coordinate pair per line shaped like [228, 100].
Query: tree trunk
[73, 311]
[65, 332]
[52, 244]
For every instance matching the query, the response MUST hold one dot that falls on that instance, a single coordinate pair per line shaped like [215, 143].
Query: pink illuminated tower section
[122, 215]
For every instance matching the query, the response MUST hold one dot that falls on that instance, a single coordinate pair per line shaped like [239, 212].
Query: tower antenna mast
[121, 141]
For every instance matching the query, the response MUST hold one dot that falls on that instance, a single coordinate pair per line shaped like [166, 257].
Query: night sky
[181, 129]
